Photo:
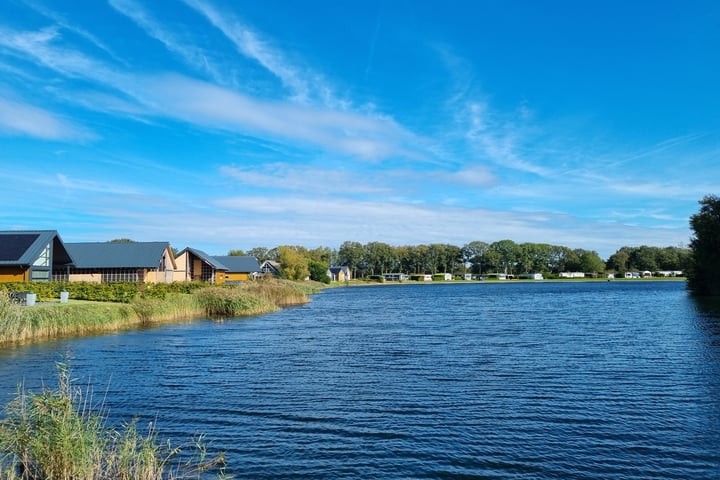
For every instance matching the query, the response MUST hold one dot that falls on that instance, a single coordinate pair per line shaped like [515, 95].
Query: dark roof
[117, 255]
[205, 258]
[274, 266]
[239, 264]
[24, 247]
[336, 269]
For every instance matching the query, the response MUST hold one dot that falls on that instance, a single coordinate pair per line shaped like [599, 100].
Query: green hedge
[123, 292]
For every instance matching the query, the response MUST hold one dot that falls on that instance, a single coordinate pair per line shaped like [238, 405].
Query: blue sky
[234, 124]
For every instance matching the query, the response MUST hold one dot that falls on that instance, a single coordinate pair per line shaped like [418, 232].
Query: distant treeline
[477, 257]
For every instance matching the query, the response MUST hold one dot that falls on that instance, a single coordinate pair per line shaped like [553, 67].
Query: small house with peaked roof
[31, 255]
[196, 265]
[339, 273]
[270, 267]
[102, 262]
[239, 269]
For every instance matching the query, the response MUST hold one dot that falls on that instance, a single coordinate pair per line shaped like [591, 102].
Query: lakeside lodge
[32, 256]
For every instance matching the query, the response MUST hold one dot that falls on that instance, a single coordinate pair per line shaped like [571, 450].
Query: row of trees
[504, 256]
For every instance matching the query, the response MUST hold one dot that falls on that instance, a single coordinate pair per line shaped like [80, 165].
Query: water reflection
[708, 313]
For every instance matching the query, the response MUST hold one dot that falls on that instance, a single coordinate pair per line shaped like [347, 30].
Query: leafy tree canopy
[318, 271]
[704, 274]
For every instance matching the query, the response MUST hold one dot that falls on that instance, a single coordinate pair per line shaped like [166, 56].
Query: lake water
[608, 380]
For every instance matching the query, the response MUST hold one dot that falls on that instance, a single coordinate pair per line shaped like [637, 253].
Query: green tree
[473, 254]
[294, 264]
[540, 257]
[571, 260]
[524, 257]
[320, 254]
[261, 253]
[507, 255]
[380, 258]
[350, 254]
[236, 253]
[645, 258]
[491, 260]
[452, 259]
[618, 261]
[274, 254]
[318, 271]
[556, 258]
[591, 262]
[405, 258]
[704, 273]
[421, 259]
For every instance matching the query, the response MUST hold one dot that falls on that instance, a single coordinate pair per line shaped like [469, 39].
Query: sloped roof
[271, 265]
[239, 264]
[217, 265]
[336, 269]
[22, 247]
[117, 255]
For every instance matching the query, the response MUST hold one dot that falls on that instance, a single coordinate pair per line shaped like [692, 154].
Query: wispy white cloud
[192, 54]
[472, 176]
[23, 119]
[661, 147]
[88, 186]
[62, 22]
[496, 141]
[208, 105]
[347, 133]
[281, 176]
[303, 84]
[489, 134]
[395, 222]
[41, 47]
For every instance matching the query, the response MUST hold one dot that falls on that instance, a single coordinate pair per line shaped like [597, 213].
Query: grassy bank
[53, 319]
[56, 435]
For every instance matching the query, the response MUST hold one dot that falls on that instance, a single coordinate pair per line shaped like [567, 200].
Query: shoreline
[21, 325]
[362, 283]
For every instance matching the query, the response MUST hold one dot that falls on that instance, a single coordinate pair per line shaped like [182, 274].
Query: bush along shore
[56, 435]
[98, 308]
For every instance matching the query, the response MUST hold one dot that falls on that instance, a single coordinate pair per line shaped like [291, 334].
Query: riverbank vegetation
[704, 273]
[57, 435]
[136, 304]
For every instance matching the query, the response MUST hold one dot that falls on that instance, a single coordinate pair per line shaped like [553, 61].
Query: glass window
[40, 275]
[43, 259]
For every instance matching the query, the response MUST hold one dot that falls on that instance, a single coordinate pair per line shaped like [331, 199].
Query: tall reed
[43, 321]
[20, 324]
[232, 302]
[56, 435]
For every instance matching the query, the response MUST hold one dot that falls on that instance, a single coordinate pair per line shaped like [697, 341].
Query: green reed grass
[252, 298]
[56, 435]
[280, 292]
[232, 302]
[20, 324]
[175, 307]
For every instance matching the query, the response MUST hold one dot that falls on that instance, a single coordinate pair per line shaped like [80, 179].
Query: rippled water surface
[604, 380]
